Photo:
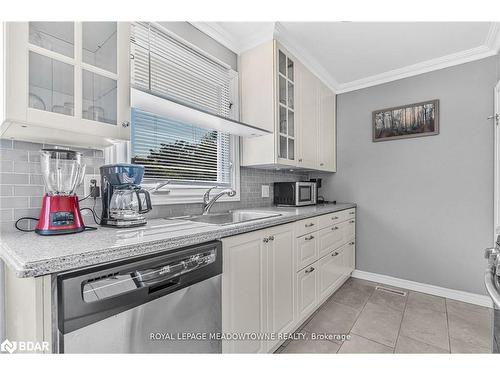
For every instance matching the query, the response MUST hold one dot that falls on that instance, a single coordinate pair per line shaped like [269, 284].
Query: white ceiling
[352, 55]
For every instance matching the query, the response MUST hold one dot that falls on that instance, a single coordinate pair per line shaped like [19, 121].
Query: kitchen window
[192, 158]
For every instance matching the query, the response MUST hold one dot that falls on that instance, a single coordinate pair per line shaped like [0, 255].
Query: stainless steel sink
[231, 217]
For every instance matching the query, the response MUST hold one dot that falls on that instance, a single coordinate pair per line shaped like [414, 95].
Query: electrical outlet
[265, 191]
[86, 183]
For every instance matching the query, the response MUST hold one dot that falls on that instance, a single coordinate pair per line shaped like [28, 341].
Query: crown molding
[221, 35]
[282, 36]
[493, 38]
[214, 31]
[276, 30]
[447, 61]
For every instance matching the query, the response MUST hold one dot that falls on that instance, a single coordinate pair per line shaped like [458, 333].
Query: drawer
[331, 238]
[336, 217]
[330, 270]
[349, 257]
[306, 226]
[349, 229]
[306, 248]
[307, 291]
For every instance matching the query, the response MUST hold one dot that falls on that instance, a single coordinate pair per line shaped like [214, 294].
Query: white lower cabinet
[307, 287]
[331, 270]
[258, 287]
[243, 291]
[349, 259]
[330, 238]
[274, 279]
[280, 281]
[306, 250]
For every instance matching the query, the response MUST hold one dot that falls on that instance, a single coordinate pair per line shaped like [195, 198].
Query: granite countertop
[31, 255]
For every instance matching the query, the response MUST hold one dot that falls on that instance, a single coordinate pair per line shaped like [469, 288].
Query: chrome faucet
[208, 203]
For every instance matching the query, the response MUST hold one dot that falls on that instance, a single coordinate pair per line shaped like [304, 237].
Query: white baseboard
[476, 299]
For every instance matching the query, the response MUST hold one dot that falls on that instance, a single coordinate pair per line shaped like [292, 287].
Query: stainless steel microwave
[299, 193]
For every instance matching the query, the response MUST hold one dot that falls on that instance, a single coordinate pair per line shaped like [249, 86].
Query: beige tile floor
[384, 322]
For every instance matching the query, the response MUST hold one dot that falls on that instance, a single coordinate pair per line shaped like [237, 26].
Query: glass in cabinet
[286, 111]
[68, 76]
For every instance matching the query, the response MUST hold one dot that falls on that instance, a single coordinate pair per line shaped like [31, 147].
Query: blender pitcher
[62, 172]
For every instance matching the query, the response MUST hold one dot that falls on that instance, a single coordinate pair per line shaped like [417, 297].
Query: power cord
[24, 218]
[96, 217]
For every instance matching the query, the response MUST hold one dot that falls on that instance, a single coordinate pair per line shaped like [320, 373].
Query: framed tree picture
[408, 121]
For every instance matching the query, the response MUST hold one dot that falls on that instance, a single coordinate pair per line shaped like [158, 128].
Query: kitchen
[226, 187]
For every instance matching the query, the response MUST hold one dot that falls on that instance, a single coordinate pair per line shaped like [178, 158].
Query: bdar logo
[8, 346]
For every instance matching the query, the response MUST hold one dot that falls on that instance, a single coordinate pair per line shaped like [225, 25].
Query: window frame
[172, 193]
[181, 193]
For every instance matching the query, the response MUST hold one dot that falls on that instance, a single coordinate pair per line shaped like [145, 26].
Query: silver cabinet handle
[266, 239]
[125, 124]
[300, 160]
[309, 238]
[335, 253]
[335, 218]
[271, 238]
[309, 270]
[352, 221]
[335, 228]
[489, 282]
[351, 243]
[309, 225]
[351, 213]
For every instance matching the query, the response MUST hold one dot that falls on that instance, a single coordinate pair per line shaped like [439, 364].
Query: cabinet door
[329, 239]
[243, 291]
[281, 277]
[331, 269]
[286, 92]
[308, 113]
[349, 229]
[349, 259]
[326, 130]
[307, 250]
[63, 94]
[307, 283]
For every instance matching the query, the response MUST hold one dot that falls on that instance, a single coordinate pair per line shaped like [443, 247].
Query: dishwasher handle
[89, 295]
[489, 282]
[153, 276]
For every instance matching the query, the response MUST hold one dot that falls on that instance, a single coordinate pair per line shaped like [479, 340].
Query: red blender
[62, 172]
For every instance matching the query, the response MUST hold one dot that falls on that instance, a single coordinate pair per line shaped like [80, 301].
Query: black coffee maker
[124, 202]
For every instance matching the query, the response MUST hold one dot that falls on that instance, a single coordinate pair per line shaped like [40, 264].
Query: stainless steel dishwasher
[168, 303]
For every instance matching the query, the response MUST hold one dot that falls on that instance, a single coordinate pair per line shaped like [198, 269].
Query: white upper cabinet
[327, 145]
[67, 82]
[308, 86]
[279, 94]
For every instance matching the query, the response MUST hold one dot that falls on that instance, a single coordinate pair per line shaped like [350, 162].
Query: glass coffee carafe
[129, 203]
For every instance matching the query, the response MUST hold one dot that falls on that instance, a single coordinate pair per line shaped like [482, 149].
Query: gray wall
[425, 204]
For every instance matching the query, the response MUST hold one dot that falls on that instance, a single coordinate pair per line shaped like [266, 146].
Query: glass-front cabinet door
[286, 106]
[72, 77]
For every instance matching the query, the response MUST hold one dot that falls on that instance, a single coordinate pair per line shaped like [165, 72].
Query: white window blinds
[166, 67]
[172, 69]
[182, 152]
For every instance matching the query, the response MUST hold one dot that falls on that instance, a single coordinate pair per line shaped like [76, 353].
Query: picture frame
[407, 121]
